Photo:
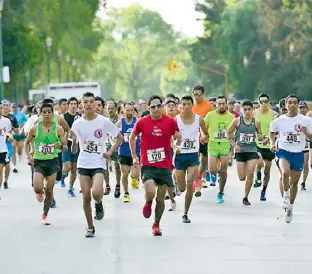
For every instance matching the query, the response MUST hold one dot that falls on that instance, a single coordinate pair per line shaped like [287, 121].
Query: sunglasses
[197, 94]
[156, 106]
[170, 105]
[264, 102]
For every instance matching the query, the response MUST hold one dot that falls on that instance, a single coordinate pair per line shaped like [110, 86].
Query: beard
[129, 116]
[222, 111]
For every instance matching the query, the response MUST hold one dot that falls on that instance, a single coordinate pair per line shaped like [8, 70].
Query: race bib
[46, 149]
[188, 144]
[156, 155]
[246, 138]
[91, 147]
[220, 134]
[126, 137]
[291, 138]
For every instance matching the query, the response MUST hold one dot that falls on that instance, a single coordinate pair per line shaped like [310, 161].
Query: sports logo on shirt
[297, 128]
[156, 131]
[98, 133]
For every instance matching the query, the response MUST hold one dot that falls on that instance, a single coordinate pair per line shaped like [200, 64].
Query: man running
[5, 130]
[186, 160]
[265, 116]
[126, 126]
[201, 108]
[100, 106]
[91, 132]
[156, 132]
[219, 146]
[246, 128]
[68, 158]
[113, 117]
[292, 129]
[48, 136]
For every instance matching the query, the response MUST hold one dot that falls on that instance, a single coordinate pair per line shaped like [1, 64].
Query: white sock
[286, 194]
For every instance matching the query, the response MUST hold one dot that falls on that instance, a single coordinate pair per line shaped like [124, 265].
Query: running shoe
[246, 202]
[173, 206]
[197, 189]
[288, 215]
[44, 220]
[185, 219]
[5, 185]
[135, 183]
[90, 232]
[147, 209]
[156, 230]
[53, 203]
[99, 211]
[126, 198]
[285, 202]
[107, 190]
[177, 190]
[71, 193]
[63, 182]
[40, 197]
[203, 183]
[15, 170]
[262, 196]
[303, 188]
[117, 192]
[220, 199]
[257, 183]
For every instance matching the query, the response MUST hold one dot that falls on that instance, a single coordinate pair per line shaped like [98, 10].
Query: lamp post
[59, 62]
[49, 46]
[68, 62]
[1, 53]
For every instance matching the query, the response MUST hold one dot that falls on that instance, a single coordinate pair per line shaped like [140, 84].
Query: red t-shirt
[236, 114]
[156, 140]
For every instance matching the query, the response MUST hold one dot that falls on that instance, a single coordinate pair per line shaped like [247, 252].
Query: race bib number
[92, 147]
[220, 135]
[188, 144]
[126, 137]
[291, 138]
[46, 149]
[246, 138]
[156, 155]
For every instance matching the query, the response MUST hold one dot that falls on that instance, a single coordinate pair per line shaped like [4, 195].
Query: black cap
[303, 104]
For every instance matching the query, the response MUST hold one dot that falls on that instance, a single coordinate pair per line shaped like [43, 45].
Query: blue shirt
[126, 130]
[20, 117]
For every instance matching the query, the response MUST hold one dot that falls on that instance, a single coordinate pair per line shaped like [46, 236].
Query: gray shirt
[245, 136]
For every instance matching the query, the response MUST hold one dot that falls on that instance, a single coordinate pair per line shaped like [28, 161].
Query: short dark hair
[136, 110]
[188, 98]
[247, 103]
[112, 102]
[222, 97]
[232, 103]
[46, 105]
[62, 100]
[282, 102]
[98, 98]
[48, 101]
[72, 99]
[255, 102]
[170, 95]
[292, 96]
[199, 87]
[154, 97]
[263, 95]
[213, 99]
[88, 94]
[177, 99]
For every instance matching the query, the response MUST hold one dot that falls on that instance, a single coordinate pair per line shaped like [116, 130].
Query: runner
[5, 130]
[201, 108]
[292, 129]
[126, 126]
[256, 105]
[265, 116]
[68, 158]
[91, 130]
[186, 159]
[5, 112]
[156, 132]
[219, 146]
[244, 143]
[113, 117]
[48, 136]
[62, 106]
[100, 106]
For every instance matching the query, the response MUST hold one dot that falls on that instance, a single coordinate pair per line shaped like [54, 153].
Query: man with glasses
[201, 107]
[156, 132]
[242, 135]
[265, 116]
[304, 109]
[292, 129]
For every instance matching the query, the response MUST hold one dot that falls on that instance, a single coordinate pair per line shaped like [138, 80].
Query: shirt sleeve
[111, 128]
[274, 125]
[9, 126]
[137, 130]
[75, 128]
[174, 127]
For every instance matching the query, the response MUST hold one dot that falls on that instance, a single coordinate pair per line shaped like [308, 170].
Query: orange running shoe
[156, 230]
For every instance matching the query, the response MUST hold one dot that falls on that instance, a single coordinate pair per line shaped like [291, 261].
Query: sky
[181, 16]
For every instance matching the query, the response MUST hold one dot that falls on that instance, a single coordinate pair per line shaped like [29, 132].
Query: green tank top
[265, 121]
[55, 120]
[44, 143]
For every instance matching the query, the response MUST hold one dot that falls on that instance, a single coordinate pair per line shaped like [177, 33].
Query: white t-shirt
[92, 138]
[30, 123]
[290, 138]
[5, 129]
